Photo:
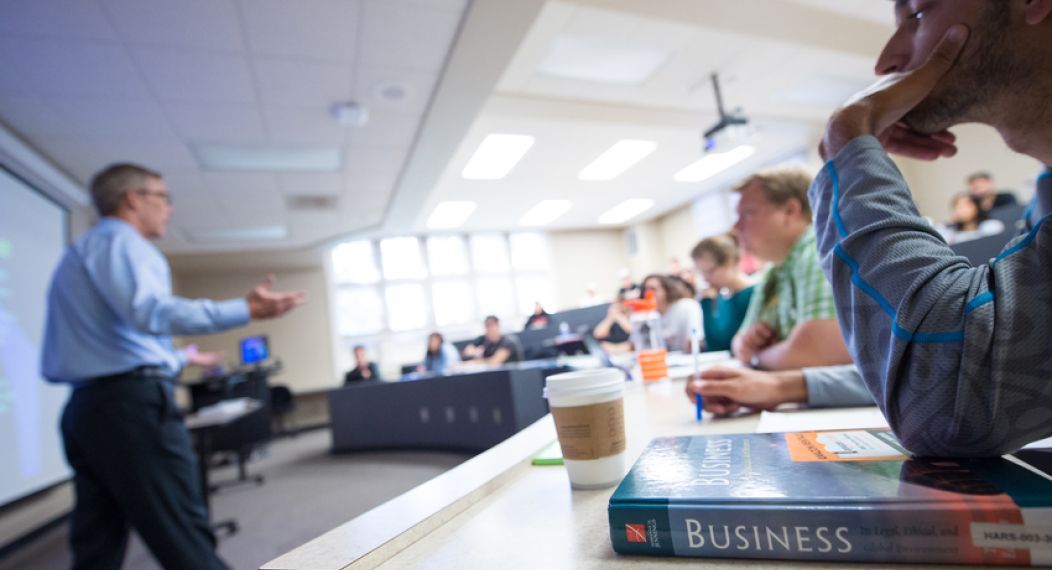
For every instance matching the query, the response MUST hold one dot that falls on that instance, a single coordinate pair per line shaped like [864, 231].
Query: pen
[695, 342]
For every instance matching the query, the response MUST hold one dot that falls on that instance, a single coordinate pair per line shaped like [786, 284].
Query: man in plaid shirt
[791, 322]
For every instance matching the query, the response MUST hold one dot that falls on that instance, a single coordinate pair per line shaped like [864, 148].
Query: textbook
[831, 496]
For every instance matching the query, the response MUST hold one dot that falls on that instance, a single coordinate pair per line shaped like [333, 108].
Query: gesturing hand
[266, 304]
[879, 110]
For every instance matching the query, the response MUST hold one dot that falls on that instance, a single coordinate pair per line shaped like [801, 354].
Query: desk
[498, 511]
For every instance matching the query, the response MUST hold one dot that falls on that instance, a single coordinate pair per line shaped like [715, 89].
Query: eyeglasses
[163, 195]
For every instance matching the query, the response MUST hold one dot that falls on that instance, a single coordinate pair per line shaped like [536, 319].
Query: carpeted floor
[308, 491]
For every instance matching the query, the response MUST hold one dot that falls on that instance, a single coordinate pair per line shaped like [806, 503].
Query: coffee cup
[588, 408]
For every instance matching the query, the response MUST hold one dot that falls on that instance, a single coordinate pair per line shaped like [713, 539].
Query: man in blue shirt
[111, 314]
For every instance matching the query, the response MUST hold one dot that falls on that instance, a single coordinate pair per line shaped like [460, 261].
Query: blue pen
[695, 348]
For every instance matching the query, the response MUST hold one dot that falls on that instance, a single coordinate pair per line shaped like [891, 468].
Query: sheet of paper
[1039, 444]
[821, 420]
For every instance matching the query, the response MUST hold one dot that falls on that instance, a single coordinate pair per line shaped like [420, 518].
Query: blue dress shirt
[111, 308]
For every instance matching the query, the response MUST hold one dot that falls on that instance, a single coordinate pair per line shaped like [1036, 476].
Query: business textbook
[831, 496]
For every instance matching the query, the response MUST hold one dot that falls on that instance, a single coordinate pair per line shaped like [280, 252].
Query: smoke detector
[350, 114]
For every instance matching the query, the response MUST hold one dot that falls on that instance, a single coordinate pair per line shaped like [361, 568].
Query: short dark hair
[675, 287]
[492, 318]
[357, 347]
[722, 248]
[109, 186]
[981, 175]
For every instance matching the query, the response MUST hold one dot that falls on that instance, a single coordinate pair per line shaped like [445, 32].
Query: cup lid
[584, 380]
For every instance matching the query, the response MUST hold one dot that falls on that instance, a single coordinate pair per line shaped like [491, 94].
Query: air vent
[308, 203]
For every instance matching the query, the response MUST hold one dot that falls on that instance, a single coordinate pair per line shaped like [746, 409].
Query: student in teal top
[725, 302]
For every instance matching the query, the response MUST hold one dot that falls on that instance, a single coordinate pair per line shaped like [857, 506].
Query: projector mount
[727, 120]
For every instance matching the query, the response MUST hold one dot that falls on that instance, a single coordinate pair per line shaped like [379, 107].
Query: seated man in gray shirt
[956, 356]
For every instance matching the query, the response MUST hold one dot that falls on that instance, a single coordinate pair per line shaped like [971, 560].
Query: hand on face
[727, 390]
[263, 303]
[880, 109]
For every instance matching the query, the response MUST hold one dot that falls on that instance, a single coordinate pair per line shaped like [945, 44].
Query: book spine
[819, 533]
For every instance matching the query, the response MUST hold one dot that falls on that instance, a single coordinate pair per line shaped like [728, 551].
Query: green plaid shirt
[792, 292]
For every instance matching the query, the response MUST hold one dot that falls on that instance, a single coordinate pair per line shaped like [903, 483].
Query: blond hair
[781, 185]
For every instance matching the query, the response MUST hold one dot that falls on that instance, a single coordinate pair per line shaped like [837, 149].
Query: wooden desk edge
[374, 537]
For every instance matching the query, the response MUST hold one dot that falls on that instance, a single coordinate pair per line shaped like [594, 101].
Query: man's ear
[793, 207]
[1037, 11]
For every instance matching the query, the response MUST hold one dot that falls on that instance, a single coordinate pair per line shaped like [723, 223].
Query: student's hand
[204, 359]
[752, 340]
[266, 304]
[727, 390]
[470, 351]
[879, 110]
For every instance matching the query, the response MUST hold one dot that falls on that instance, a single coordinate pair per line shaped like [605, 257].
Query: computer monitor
[254, 349]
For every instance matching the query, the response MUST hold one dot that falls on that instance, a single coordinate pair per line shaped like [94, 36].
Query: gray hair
[109, 186]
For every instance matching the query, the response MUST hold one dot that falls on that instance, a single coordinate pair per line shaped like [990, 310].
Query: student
[981, 185]
[728, 390]
[956, 356]
[680, 313]
[539, 319]
[791, 322]
[440, 355]
[363, 368]
[614, 331]
[110, 317]
[970, 221]
[493, 348]
[726, 300]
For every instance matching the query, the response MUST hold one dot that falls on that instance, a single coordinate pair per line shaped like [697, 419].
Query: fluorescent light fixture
[260, 233]
[265, 158]
[496, 156]
[605, 60]
[449, 215]
[545, 212]
[713, 164]
[626, 211]
[619, 158]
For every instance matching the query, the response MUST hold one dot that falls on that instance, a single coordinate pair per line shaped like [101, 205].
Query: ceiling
[90, 82]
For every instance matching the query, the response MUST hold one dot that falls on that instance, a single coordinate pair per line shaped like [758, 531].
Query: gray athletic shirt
[957, 357]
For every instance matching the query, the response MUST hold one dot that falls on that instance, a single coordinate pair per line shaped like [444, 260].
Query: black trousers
[134, 467]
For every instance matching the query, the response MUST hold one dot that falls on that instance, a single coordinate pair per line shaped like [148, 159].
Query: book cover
[830, 496]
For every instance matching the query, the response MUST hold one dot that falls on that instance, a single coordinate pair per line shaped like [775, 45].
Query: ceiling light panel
[626, 211]
[450, 215]
[225, 157]
[497, 156]
[544, 213]
[714, 163]
[605, 60]
[617, 159]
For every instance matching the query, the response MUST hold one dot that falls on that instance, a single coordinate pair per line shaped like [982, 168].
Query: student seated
[791, 321]
[981, 185]
[440, 355]
[970, 221]
[539, 319]
[363, 368]
[727, 390]
[614, 331]
[957, 357]
[725, 302]
[493, 348]
[680, 313]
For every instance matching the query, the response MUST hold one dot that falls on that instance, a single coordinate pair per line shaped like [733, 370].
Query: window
[387, 288]
[447, 255]
[402, 259]
[489, 253]
[355, 262]
[359, 311]
[406, 307]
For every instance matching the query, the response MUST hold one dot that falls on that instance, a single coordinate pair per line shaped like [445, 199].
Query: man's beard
[969, 92]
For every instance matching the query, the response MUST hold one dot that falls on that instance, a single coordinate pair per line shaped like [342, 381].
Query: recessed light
[544, 213]
[606, 60]
[391, 92]
[260, 233]
[496, 156]
[714, 163]
[227, 157]
[626, 211]
[451, 214]
[617, 159]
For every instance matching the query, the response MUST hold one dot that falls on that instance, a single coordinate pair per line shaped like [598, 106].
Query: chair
[282, 403]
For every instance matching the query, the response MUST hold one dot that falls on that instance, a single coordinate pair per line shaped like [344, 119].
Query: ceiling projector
[733, 120]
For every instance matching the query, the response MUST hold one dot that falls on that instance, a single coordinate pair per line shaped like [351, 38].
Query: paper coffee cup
[589, 412]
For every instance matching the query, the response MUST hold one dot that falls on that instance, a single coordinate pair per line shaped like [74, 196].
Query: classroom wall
[981, 148]
[302, 339]
[582, 257]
